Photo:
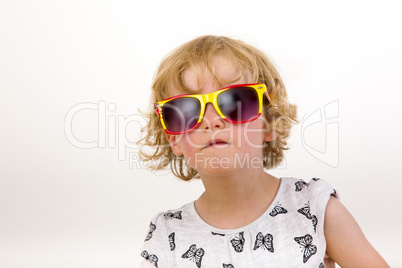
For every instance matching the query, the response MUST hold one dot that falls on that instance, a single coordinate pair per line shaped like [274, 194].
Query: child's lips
[216, 143]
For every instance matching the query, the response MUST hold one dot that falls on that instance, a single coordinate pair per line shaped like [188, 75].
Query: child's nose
[211, 118]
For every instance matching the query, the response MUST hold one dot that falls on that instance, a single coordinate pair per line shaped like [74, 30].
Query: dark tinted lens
[239, 104]
[181, 114]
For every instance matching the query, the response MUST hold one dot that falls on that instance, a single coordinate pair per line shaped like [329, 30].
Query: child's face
[217, 146]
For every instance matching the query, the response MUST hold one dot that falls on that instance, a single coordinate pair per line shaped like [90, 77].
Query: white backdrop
[74, 73]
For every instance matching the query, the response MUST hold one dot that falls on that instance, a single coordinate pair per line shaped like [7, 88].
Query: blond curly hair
[278, 112]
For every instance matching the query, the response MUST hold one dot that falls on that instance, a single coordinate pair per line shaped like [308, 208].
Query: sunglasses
[236, 104]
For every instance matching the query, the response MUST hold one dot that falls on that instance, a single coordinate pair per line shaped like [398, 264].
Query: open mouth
[216, 143]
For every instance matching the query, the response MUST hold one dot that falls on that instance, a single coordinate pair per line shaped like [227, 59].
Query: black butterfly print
[315, 221]
[194, 254]
[227, 265]
[278, 210]
[305, 211]
[334, 193]
[300, 185]
[175, 215]
[151, 258]
[217, 234]
[321, 265]
[315, 179]
[266, 242]
[308, 248]
[171, 241]
[238, 242]
[152, 228]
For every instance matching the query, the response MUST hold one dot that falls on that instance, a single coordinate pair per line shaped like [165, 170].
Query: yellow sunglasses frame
[212, 98]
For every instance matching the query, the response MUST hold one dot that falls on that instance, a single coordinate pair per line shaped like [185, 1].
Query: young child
[222, 115]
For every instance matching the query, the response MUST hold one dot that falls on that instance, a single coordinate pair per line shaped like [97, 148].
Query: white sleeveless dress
[289, 234]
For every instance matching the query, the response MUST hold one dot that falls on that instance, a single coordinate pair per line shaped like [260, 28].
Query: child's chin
[220, 166]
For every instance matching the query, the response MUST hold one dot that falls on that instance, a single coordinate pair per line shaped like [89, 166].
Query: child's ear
[174, 144]
[270, 135]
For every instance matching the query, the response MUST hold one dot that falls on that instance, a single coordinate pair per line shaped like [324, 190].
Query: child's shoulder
[316, 186]
[173, 215]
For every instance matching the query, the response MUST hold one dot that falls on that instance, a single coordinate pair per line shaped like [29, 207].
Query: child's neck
[235, 201]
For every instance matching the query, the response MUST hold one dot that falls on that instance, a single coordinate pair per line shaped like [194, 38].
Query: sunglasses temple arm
[267, 96]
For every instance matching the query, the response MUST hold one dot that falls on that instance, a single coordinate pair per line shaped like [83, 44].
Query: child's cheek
[190, 146]
[193, 141]
[253, 135]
